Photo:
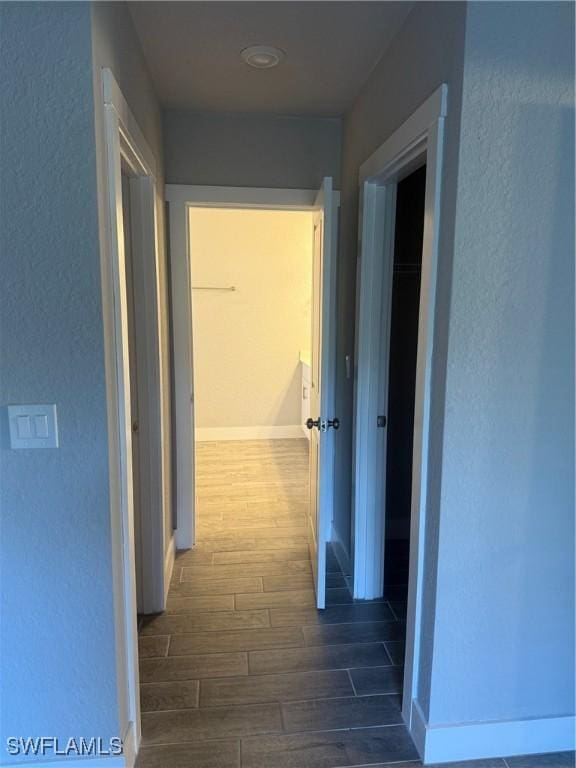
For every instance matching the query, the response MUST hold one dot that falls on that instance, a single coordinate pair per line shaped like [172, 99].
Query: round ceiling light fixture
[262, 56]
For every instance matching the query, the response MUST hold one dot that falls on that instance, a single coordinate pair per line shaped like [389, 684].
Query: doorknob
[323, 424]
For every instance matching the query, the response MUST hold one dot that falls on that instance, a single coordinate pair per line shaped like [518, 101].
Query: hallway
[242, 670]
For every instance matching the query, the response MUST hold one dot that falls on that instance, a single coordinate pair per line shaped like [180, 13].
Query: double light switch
[33, 426]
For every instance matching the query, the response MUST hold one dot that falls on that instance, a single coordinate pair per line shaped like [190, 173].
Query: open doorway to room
[251, 283]
[403, 348]
[259, 267]
[399, 216]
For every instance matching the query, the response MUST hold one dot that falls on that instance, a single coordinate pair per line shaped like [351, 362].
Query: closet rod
[213, 287]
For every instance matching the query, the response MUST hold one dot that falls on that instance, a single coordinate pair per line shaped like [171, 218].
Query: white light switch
[33, 426]
[24, 427]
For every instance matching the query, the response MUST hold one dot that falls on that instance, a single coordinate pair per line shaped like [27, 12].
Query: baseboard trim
[477, 741]
[169, 567]
[131, 744]
[210, 434]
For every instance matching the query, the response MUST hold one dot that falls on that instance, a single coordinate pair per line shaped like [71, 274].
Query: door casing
[181, 198]
[418, 140]
[125, 146]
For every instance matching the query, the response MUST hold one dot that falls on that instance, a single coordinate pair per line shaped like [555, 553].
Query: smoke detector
[262, 56]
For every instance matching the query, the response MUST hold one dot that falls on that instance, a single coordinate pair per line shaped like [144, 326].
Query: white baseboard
[169, 566]
[210, 434]
[477, 741]
[131, 745]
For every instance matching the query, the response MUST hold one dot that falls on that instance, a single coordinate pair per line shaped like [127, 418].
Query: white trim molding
[287, 432]
[169, 566]
[125, 149]
[419, 140]
[476, 741]
[240, 197]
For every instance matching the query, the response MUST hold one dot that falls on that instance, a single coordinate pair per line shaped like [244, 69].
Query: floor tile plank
[364, 632]
[328, 749]
[336, 614]
[236, 640]
[297, 597]
[262, 688]
[216, 587]
[180, 694]
[207, 622]
[330, 714]
[199, 604]
[319, 657]
[153, 647]
[193, 667]
[209, 754]
[377, 680]
[198, 572]
[219, 723]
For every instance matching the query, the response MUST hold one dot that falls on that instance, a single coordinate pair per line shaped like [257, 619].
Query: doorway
[235, 305]
[403, 345]
[251, 275]
[400, 195]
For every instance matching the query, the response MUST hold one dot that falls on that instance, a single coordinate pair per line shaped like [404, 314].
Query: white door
[323, 422]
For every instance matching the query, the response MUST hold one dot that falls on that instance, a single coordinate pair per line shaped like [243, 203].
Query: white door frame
[418, 140]
[125, 144]
[182, 197]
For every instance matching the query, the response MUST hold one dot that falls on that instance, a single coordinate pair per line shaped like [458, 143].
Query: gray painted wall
[498, 597]
[247, 150]
[504, 632]
[57, 649]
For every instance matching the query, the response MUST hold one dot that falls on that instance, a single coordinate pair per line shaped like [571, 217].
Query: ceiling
[193, 52]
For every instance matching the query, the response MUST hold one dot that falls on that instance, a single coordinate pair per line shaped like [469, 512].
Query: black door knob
[334, 423]
[310, 423]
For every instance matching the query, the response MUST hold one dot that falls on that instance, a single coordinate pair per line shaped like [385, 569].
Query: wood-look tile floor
[242, 671]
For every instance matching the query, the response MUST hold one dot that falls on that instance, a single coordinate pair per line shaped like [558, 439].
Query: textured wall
[57, 648]
[504, 635]
[246, 344]
[251, 150]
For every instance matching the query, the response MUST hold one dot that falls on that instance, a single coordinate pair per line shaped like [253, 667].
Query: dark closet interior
[409, 230]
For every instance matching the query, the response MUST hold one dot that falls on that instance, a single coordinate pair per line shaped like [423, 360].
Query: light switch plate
[33, 426]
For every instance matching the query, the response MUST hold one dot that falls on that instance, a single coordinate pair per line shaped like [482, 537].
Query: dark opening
[409, 230]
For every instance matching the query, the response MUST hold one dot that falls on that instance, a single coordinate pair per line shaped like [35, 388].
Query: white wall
[247, 342]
